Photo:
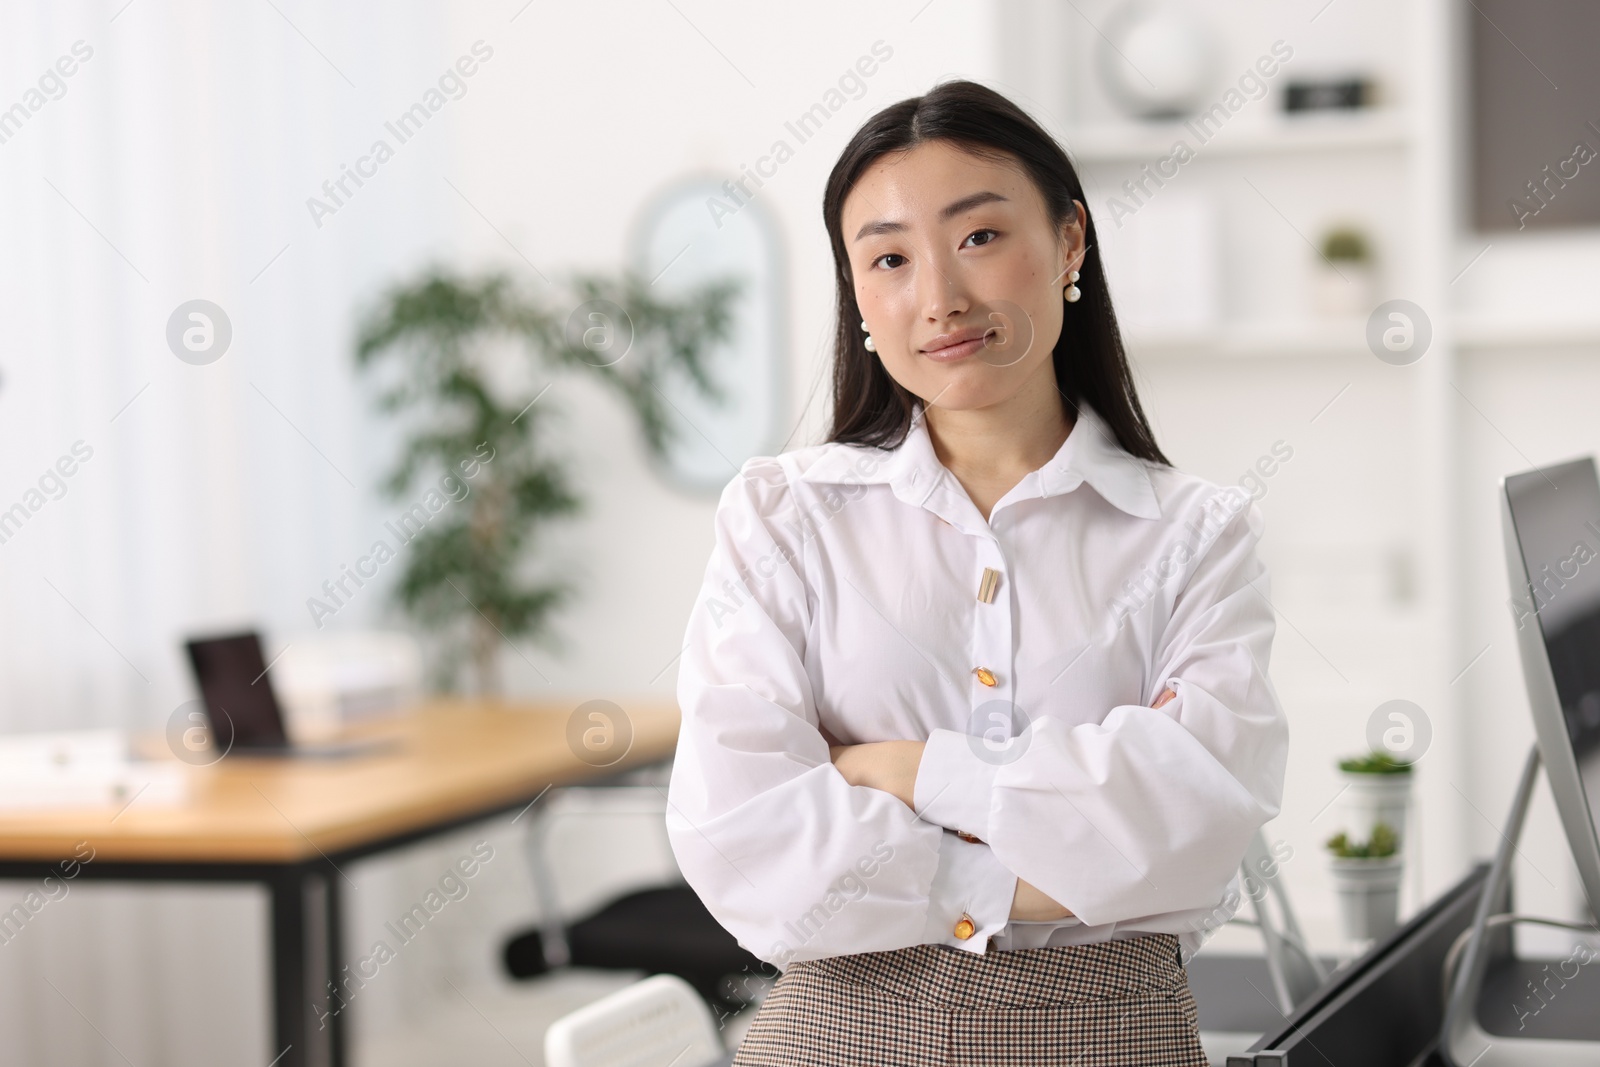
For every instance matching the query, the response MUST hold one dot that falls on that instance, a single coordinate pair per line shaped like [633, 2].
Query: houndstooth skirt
[1108, 1004]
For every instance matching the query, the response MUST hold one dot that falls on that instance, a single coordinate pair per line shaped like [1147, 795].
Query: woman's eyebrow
[966, 203]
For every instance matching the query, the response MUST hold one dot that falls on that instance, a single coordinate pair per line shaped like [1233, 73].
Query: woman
[976, 718]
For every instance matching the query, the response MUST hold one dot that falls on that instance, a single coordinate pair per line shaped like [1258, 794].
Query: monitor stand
[1464, 1042]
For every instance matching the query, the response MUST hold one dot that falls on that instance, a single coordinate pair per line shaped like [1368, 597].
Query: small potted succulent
[1346, 281]
[1377, 789]
[1367, 878]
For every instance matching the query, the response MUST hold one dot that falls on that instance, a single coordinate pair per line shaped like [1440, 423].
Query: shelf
[1131, 140]
[1484, 331]
[1294, 337]
[1323, 337]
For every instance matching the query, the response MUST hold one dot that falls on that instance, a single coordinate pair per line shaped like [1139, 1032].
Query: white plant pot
[1369, 799]
[1369, 895]
[1348, 292]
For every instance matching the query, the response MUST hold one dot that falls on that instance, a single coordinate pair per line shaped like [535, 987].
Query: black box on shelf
[1331, 95]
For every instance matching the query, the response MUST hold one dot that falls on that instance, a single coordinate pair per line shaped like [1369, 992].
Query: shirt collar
[1089, 454]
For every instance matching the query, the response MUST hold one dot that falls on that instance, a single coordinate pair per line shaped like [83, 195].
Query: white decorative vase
[1158, 59]
[1347, 288]
[1369, 799]
[1369, 895]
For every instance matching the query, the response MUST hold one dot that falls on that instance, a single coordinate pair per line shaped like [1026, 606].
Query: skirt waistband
[1019, 978]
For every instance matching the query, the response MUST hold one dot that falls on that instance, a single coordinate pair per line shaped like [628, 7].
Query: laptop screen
[238, 694]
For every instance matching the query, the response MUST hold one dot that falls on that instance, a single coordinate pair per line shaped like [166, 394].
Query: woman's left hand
[887, 765]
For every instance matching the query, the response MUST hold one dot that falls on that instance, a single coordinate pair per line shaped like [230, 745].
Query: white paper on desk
[61, 748]
[107, 785]
[82, 769]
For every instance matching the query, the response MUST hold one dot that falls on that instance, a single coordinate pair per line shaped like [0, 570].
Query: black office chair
[662, 929]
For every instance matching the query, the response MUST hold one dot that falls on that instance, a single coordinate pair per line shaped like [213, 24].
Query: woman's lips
[958, 351]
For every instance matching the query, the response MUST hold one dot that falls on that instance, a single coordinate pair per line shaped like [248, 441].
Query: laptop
[241, 707]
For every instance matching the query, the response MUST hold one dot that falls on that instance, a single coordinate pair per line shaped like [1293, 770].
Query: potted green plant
[464, 362]
[1346, 281]
[1366, 876]
[1377, 789]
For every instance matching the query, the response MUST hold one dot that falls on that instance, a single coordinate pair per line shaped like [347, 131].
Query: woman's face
[946, 247]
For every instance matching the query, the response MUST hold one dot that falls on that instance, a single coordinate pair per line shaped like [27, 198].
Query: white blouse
[859, 590]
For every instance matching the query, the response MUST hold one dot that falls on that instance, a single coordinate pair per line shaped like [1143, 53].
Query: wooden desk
[291, 823]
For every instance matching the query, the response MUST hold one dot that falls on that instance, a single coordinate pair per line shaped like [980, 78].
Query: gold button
[965, 927]
[989, 584]
[968, 838]
[985, 675]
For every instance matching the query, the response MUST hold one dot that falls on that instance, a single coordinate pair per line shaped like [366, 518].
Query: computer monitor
[238, 695]
[1551, 521]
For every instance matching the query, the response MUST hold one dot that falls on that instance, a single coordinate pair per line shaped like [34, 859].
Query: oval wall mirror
[681, 241]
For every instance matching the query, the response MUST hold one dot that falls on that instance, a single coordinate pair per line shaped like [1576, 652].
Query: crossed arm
[892, 767]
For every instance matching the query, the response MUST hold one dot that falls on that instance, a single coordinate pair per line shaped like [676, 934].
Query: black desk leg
[333, 907]
[307, 1023]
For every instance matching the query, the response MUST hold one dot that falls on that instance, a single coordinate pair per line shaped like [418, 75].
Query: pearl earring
[1072, 292]
[869, 344]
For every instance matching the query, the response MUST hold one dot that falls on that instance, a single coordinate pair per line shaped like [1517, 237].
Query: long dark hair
[869, 406]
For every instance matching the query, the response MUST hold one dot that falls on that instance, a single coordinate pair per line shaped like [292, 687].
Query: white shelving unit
[1318, 132]
[1499, 331]
[1373, 442]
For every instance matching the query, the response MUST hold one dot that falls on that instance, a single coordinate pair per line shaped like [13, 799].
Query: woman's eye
[992, 235]
[887, 255]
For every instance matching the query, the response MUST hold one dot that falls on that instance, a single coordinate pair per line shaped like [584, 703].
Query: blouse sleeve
[1147, 811]
[788, 856]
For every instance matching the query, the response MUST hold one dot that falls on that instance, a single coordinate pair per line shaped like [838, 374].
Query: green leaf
[425, 344]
